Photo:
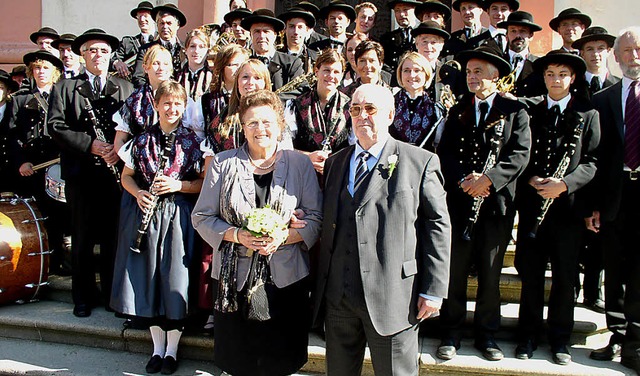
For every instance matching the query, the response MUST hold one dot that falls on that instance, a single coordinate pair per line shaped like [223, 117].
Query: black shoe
[525, 349]
[561, 355]
[447, 349]
[489, 349]
[82, 310]
[595, 305]
[608, 352]
[155, 364]
[169, 365]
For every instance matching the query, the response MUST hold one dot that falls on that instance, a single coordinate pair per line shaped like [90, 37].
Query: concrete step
[50, 321]
[510, 286]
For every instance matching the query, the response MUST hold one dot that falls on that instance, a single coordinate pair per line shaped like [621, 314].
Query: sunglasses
[369, 109]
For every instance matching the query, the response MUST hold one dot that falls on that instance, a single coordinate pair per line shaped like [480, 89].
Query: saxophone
[561, 170]
[100, 137]
[148, 214]
[309, 79]
[492, 158]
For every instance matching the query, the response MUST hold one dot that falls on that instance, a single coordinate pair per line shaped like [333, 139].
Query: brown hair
[366, 4]
[369, 45]
[263, 98]
[223, 57]
[170, 88]
[330, 56]
[197, 33]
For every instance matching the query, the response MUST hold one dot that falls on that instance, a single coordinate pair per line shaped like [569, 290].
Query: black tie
[407, 34]
[484, 108]
[595, 84]
[555, 114]
[97, 86]
[264, 59]
[500, 42]
[516, 60]
[467, 32]
[361, 170]
[45, 96]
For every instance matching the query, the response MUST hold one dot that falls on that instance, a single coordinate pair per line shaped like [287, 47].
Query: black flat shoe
[525, 350]
[82, 310]
[608, 352]
[154, 365]
[447, 349]
[561, 355]
[169, 365]
[489, 349]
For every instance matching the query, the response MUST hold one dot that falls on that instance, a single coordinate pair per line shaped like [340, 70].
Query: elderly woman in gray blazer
[255, 175]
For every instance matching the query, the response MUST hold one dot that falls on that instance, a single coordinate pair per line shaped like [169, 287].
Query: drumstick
[45, 164]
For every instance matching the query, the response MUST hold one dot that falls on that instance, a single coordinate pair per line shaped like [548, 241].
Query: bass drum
[24, 250]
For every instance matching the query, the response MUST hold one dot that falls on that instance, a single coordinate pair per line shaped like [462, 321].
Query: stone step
[510, 286]
[51, 321]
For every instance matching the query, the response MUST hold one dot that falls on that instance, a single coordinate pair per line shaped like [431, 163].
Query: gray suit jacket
[403, 234]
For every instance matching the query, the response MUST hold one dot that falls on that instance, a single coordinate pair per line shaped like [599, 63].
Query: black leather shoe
[608, 352]
[154, 365]
[525, 349]
[489, 349]
[447, 349]
[561, 355]
[82, 310]
[169, 365]
[595, 305]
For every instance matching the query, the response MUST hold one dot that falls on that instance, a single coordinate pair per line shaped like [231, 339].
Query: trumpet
[507, 83]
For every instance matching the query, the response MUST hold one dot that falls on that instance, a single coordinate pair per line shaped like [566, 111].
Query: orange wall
[18, 23]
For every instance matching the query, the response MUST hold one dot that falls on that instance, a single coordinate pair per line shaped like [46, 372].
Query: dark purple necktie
[632, 131]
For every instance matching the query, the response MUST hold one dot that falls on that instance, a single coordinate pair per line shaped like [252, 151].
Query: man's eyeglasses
[94, 50]
[369, 108]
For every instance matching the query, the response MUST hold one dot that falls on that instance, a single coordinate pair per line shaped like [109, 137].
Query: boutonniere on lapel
[392, 162]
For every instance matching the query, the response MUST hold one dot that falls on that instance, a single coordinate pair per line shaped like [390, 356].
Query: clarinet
[492, 158]
[148, 214]
[100, 137]
[561, 170]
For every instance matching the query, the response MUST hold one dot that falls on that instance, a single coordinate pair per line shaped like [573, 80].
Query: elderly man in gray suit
[384, 257]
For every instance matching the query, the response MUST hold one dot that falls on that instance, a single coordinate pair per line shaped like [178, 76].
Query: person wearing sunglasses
[384, 250]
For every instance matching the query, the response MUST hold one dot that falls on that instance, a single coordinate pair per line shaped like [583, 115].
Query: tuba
[224, 39]
[507, 83]
[447, 98]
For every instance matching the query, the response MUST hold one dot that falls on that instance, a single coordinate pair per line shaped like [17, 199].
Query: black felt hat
[456, 3]
[520, 18]
[567, 14]
[18, 70]
[8, 81]
[91, 34]
[562, 58]
[594, 33]
[171, 9]
[64, 38]
[488, 54]
[513, 4]
[262, 15]
[430, 27]
[42, 55]
[338, 5]
[145, 5]
[391, 4]
[308, 6]
[433, 6]
[295, 12]
[235, 14]
[44, 32]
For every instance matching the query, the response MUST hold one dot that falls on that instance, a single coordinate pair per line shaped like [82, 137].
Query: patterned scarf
[314, 127]
[138, 111]
[412, 124]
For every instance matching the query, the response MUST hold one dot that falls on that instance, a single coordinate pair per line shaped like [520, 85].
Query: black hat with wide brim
[594, 33]
[433, 6]
[44, 32]
[240, 13]
[456, 3]
[145, 5]
[338, 5]
[520, 18]
[64, 38]
[8, 81]
[18, 70]
[568, 14]
[430, 27]
[308, 6]
[513, 4]
[43, 55]
[94, 34]
[561, 58]
[308, 17]
[488, 54]
[391, 4]
[263, 15]
[171, 9]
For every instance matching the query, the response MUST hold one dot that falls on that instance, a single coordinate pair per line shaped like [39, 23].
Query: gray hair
[632, 31]
[383, 97]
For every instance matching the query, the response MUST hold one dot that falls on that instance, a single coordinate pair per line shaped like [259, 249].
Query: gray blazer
[403, 233]
[294, 179]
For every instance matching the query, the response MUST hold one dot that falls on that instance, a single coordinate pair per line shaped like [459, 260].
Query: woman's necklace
[261, 167]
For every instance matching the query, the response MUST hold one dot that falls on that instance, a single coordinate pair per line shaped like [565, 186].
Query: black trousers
[94, 200]
[486, 250]
[622, 271]
[558, 241]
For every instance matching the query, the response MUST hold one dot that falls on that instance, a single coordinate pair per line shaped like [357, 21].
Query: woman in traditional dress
[369, 59]
[350, 73]
[416, 113]
[256, 175]
[151, 281]
[196, 74]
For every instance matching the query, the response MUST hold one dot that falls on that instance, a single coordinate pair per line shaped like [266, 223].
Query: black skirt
[274, 347]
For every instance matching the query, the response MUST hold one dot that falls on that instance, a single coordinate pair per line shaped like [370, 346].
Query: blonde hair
[153, 54]
[417, 59]
[197, 33]
[39, 63]
[223, 57]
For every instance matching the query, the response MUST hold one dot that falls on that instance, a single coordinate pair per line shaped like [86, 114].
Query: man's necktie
[484, 108]
[97, 86]
[264, 59]
[467, 32]
[632, 130]
[361, 170]
[500, 42]
[555, 115]
[516, 61]
[170, 47]
[45, 96]
[595, 84]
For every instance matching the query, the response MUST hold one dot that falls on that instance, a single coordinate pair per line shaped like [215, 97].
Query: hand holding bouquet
[267, 229]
